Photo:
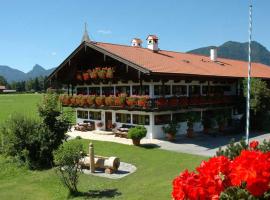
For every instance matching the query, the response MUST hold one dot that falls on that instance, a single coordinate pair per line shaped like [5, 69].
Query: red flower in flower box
[173, 101]
[85, 76]
[161, 102]
[143, 101]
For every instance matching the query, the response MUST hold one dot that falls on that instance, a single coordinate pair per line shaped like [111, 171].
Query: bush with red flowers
[246, 176]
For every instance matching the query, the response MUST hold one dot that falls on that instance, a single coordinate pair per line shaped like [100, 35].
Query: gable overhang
[92, 45]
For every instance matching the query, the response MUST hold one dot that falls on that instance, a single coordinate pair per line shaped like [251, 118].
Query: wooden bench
[122, 131]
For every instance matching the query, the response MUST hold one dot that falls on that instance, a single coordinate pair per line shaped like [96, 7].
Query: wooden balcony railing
[143, 102]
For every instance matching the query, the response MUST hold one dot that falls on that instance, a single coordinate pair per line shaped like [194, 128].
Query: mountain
[12, 74]
[238, 51]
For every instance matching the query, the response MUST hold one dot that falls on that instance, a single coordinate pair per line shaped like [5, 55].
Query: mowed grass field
[152, 181]
[18, 103]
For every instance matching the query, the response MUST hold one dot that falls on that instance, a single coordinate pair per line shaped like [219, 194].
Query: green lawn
[152, 180]
[155, 168]
[20, 103]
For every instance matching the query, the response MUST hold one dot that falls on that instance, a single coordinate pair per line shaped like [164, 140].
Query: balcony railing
[144, 102]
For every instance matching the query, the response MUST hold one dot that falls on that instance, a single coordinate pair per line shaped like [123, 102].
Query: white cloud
[105, 32]
[53, 53]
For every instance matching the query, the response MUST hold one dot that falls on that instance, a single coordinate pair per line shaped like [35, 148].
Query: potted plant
[101, 73]
[78, 100]
[109, 72]
[161, 102]
[73, 101]
[83, 101]
[131, 101]
[192, 118]
[99, 100]
[143, 101]
[65, 100]
[221, 121]
[207, 124]
[109, 101]
[93, 74]
[120, 100]
[173, 101]
[136, 134]
[91, 100]
[85, 76]
[99, 125]
[170, 130]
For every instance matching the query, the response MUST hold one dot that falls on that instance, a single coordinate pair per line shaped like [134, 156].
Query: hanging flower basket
[100, 100]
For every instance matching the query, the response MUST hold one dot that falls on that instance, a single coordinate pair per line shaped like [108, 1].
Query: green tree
[67, 159]
[3, 81]
[259, 94]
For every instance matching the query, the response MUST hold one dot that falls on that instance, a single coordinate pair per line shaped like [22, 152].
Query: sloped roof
[184, 63]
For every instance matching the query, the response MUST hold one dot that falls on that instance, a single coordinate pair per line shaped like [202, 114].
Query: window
[227, 88]
[82, 90]
[82, 114]
[162, 119]
[141, 119]
[94, 115]
[122, 89]
[160, 90]
[179, 90]
[194, 90]
[107, 91]
[144, 90]
[204, 89]
[94, 91]
[123, 118]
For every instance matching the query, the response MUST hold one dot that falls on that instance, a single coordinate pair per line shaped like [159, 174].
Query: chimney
[136, 42]
[213, 54]
[152, 42]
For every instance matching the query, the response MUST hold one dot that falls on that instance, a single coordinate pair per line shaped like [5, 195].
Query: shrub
[233, 149]
[32, 141]
[67, 158]
[137, 132]
[24, 139]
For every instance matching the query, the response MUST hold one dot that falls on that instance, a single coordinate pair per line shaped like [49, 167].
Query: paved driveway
[206, 145]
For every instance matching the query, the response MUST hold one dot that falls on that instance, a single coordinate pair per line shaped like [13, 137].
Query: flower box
[91, 100]
[131, 101]
[100, 100]
[109, 101]
[143, 101]
[161, 102]
[109, 72]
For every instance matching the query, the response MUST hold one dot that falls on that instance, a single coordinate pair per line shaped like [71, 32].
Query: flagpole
[249, 73]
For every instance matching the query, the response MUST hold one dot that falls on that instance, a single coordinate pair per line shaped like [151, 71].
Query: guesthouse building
[113, 84]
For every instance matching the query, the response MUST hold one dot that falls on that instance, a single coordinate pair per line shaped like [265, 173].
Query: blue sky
[46, 32]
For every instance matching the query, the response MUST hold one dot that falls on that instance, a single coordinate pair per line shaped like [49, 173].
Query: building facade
[111, 85]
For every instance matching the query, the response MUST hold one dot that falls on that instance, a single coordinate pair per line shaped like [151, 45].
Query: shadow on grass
[92, 194]
[149, 146]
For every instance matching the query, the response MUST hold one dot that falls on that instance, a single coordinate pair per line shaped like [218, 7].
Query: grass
[156, 168]
[20, 103]
[155, 171]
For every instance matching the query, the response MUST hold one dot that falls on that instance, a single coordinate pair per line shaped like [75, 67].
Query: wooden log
[101, 162]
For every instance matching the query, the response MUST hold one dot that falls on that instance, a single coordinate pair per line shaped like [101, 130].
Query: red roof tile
[184, 63]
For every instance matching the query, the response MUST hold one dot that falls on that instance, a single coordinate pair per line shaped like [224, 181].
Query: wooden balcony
[143, 103]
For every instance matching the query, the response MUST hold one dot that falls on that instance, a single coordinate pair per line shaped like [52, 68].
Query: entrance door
[108, 120]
